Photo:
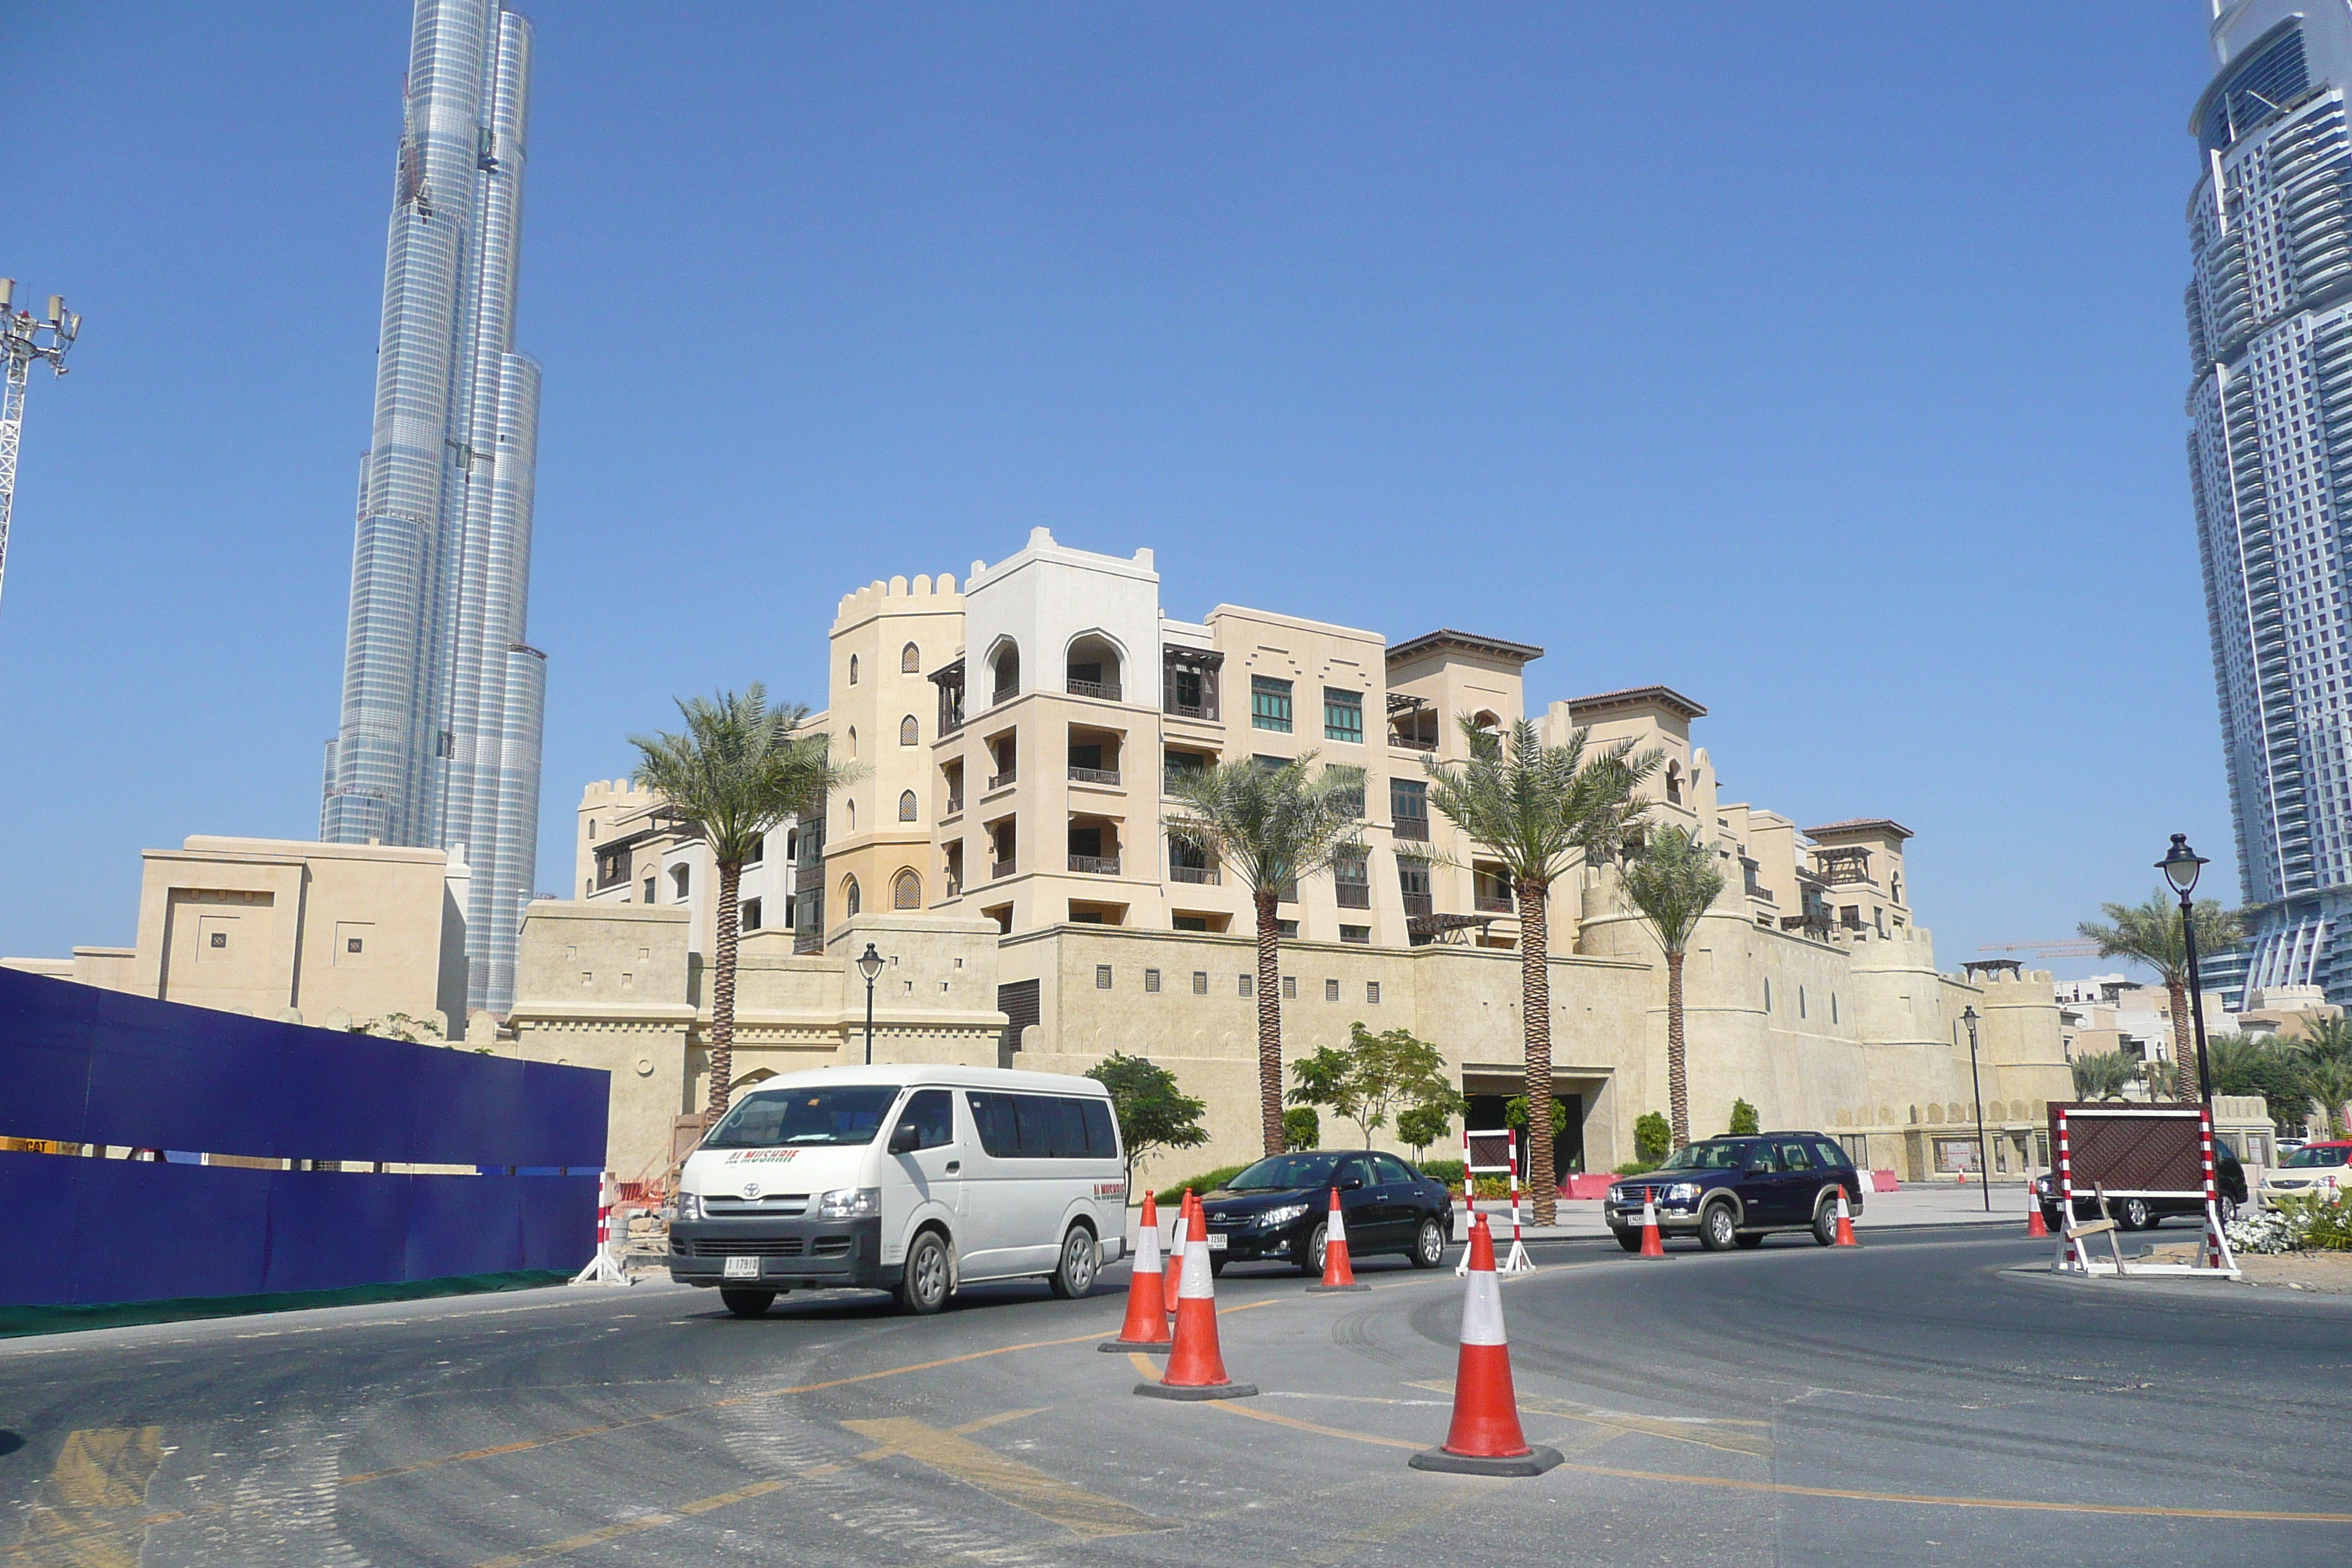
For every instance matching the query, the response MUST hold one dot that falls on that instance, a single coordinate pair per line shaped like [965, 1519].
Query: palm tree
[2150, 933]
[2101, 1076]
[1669, 884]
[740, 768]
[1273, 826]
[1539, 810]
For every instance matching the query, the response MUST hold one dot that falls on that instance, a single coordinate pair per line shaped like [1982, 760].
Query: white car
[916, 1180]
[2321, 1169]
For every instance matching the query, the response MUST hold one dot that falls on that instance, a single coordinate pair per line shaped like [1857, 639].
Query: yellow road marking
[1148, 1369]
[1709, 1434]
[1783, 1489]
[1083, 1513]
[985, 1421]
[633, 1527]
[97, 1472]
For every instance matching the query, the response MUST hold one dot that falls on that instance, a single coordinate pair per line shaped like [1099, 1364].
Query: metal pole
[869, 1020]
[2197, 1005]
[1984, 1155]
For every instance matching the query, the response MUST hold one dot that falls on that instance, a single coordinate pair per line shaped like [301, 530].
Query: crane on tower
[23, 341]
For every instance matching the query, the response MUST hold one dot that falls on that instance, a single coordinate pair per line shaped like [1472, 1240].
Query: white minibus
[912, 1178]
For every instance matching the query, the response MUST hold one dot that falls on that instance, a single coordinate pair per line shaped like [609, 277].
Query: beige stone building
[333, 934]
[1006, 854]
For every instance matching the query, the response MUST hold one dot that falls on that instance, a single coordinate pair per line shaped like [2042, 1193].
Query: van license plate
[742, 1269]
[1216, 1241]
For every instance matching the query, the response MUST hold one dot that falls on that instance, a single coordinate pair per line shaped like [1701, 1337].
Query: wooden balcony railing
[999, 870]
[1415, 829]
[1095, 776]
[1096, 865]
[1206, 875]
[1106, 689]
[1420, 904]
[1493, 903]
[1354, 896]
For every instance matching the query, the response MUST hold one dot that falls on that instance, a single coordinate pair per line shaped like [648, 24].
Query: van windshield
[804, 1118]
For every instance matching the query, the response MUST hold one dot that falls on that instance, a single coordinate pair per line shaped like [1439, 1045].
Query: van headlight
[689, 1206]
[1282, 1215]
[849, 1203]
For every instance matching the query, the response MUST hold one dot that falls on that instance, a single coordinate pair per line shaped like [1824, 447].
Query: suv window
[1829, 1154]
[932, 1113]
[1390, 1171]
[1795, 1157]
[1763, 1160]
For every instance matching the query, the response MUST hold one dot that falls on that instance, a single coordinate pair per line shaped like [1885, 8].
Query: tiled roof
[1860, 824]
[1665, 696]
[1466, 642]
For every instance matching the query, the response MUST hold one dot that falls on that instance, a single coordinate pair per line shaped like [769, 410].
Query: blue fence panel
[167, 1076]
[46, 1027]
[328, 1229]
[144, 1232]
[468, 1107]
[464, 1225]
[559, 1220]
[349, 1097]
[562, 1119]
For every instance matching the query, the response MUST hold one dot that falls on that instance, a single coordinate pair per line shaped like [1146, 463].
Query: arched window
[907, 805]
[1486, 719]
[910, 660]
[1834, 1008]
[906, 890]
[853, 742]
[849, 895]
[853, 669]
[1006, 663]
[1674, 784]
[850, 807]
[909, 732]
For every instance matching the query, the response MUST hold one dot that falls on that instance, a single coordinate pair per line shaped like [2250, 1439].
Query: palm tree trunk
[1270, 1020]
[1677, 1075]
[722, 996]
[2185, 1085]
[1535, 1021]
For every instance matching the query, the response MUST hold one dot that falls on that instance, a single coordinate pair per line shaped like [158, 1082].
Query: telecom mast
[23, 339]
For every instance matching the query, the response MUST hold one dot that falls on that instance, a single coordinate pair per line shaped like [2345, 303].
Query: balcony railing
[1411, 742]
[1420, 904]
[1205, 875]
[1414, 827]
[1106, 689]
[1493, 903]
[1354, 896]
[1095, 776]
[1096, 865]
[999, 870]
[998, 781]
[1189, 709]
[955, 804]
[1004, 694]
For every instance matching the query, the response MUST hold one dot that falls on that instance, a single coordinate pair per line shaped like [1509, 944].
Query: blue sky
[1824, 361]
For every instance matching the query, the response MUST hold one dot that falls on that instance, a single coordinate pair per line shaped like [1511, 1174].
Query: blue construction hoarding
[83, 1066]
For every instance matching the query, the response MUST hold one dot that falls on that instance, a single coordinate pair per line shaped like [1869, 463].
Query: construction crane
[2057, 947]
[23, 341]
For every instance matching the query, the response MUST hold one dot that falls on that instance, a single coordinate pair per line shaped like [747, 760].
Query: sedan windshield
[2316, 1154]
[1716, 1154]
[804, 1118]
[1286, 1171]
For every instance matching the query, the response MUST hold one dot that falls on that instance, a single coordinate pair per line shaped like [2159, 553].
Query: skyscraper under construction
[444, 698]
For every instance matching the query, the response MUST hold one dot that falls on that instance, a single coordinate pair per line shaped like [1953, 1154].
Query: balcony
[1207, 876]
[999, 781]
[1096, 865]
[1415, 829]
[1493, 903]
[955, 805]
[1202, 710]
[999, 870]
[1419, 904]
[1106, 776]
[1003, 694]
[1406, 743]
[1106, 689]
[1354, 895]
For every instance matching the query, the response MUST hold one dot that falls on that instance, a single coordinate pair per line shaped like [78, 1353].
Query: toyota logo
[750, 1189]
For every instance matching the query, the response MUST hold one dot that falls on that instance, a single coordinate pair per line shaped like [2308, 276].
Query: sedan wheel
[1716, 1229]
[1076, 1274]
[1429, 1245]
[1310, 1255]
[2227, 1208]
[2133, 1214]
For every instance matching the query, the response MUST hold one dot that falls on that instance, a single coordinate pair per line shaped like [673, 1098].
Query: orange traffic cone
[2035, 1226]
[1176, 1245]
[1845, 1224]
[1336, 1275]
[1652, 1245]
[1485, 1438]
[1196, 1367]
[1146, 1328]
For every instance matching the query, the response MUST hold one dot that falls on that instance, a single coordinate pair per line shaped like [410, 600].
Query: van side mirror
[906, 1138]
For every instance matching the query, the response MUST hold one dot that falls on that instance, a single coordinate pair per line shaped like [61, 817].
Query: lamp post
[2180, 866]
[869, 964]
[1976, 1084]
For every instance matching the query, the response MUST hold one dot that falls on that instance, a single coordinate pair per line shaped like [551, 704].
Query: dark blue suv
[1734, 1192]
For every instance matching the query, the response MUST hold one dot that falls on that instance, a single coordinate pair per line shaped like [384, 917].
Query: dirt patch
[2329, 1273]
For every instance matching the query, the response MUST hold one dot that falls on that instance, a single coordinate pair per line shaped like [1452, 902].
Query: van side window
[1102, 1136]
[992, 1115]
[932, 1113]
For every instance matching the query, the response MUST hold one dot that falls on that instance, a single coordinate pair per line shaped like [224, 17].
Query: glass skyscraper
[442, 696]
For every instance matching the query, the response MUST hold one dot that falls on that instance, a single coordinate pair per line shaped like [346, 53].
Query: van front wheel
[746, 1303]
[924, 1289]
[1075, 1275]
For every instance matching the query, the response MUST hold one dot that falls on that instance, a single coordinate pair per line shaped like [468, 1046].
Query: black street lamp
[869, 964]
[1984, 1155]
[2180, 866]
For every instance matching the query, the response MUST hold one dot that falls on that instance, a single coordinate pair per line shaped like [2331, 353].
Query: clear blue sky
[1824, 361]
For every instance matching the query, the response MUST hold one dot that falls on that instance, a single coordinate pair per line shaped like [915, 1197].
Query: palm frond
[738, 769]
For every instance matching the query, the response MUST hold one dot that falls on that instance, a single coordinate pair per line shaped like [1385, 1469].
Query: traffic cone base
[1316, 1289]
[1534, 1462]
[1206, 1391]
[1146, 1346]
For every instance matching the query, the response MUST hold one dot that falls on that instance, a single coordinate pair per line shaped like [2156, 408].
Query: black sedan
[1281, 1208]
[2146, 1214]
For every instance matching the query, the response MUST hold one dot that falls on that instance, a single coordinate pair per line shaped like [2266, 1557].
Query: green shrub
[1637, 1167]
[1743, 1118]
[1205, 1183]
[1301, 1128]
[2327, 1227]
[1446, 1171]
[1652, 1136]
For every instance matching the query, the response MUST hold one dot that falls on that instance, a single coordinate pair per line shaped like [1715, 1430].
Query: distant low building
[339, 935]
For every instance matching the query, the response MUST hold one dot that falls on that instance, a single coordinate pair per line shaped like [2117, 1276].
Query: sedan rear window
[804, 1118]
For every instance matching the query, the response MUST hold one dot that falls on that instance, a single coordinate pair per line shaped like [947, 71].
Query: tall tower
[442, 698]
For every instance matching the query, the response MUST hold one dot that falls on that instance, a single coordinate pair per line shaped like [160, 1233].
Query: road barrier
[1196, 1366]
[1146, 1328]
[605, 1269]
[1484, 1438]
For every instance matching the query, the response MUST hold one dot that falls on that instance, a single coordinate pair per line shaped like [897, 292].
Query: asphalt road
[1910, 1401]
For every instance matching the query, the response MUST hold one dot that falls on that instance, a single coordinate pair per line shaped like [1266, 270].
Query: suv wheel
[1429, 1245]
[924, 1289]
[1631, 1240]
[1825, 1222]
[1716, 1229]
[1075, 1276]
[2133, 1214]
[746, 1303]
